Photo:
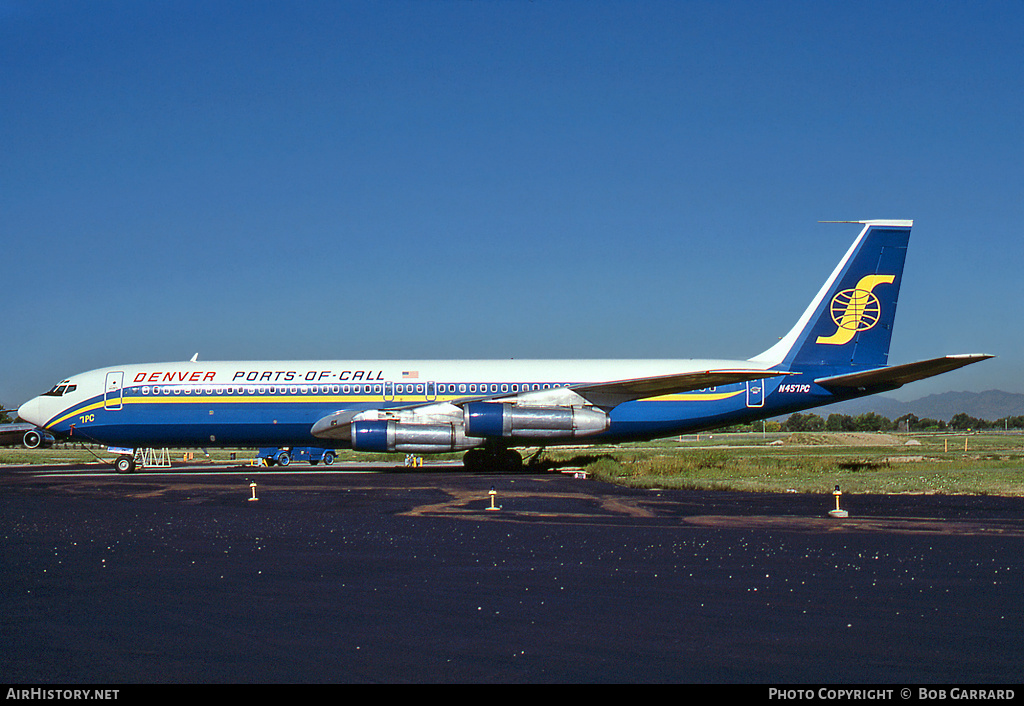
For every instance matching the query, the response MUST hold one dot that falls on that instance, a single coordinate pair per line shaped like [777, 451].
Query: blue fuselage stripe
[248, 419]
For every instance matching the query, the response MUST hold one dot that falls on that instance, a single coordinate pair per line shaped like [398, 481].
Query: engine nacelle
[391, 435]
[501, 419]
[37, 439]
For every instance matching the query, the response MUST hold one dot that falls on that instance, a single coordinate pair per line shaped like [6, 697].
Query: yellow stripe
[80, 410]
[695, 397]
[250, 399]
[339, 399]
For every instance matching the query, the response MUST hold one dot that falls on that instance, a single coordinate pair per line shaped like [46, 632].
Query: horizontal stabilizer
[609, 394]
[899, 375]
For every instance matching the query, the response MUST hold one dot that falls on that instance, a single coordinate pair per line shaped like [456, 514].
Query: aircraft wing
[899, 375]
[609, 394]
[603, 394]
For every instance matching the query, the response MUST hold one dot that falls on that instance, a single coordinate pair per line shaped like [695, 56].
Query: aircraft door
[389, 391]
[755, 393]
[112, 398]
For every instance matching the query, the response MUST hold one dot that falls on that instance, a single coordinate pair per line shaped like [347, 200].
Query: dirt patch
[848, 438]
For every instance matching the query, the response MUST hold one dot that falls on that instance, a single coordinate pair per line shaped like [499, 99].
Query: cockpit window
[59, 389]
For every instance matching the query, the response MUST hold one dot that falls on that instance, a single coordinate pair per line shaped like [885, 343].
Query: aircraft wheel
[124, 464]
[512, 460]
[474, 460]
[499, 460]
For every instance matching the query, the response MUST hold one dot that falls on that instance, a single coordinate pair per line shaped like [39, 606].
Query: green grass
[993, 463]
[812, 463]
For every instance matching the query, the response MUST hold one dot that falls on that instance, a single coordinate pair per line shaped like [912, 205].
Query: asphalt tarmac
[407, 576]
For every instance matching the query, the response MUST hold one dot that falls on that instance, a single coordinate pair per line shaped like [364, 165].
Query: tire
[328, 458]
[493, 460]
[124, 464]
[512, 461]
[284, 458]
[474, 460]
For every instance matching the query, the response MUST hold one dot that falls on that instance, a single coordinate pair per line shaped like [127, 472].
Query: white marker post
[492, 494]
[837, 512]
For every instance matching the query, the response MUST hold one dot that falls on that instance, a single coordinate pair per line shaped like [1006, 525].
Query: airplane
[28, 435]
[837, 350]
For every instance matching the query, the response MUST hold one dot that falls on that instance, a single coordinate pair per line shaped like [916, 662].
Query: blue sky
[493, 179]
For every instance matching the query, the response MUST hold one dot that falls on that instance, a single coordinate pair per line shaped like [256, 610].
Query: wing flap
[898, 375]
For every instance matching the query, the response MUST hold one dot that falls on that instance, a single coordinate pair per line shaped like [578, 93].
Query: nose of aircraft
[30, 412]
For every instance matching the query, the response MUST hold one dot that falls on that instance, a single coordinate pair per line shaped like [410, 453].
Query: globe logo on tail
[854, 310]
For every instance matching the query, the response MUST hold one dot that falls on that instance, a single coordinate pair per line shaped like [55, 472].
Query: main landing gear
[124, 463]
[495, 459]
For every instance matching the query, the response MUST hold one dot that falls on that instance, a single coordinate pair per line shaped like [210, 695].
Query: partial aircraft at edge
[837, 350]
[28, 435]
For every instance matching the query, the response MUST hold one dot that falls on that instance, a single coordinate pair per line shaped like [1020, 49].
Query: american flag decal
[410, 373]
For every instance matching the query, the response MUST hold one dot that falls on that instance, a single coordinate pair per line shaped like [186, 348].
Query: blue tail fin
[848, 326]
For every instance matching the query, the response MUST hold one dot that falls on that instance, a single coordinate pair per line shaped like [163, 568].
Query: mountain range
[990, 405]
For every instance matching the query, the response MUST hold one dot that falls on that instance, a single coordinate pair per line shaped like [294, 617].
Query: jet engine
[37, 439]
[391, 435]
[501, 419]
